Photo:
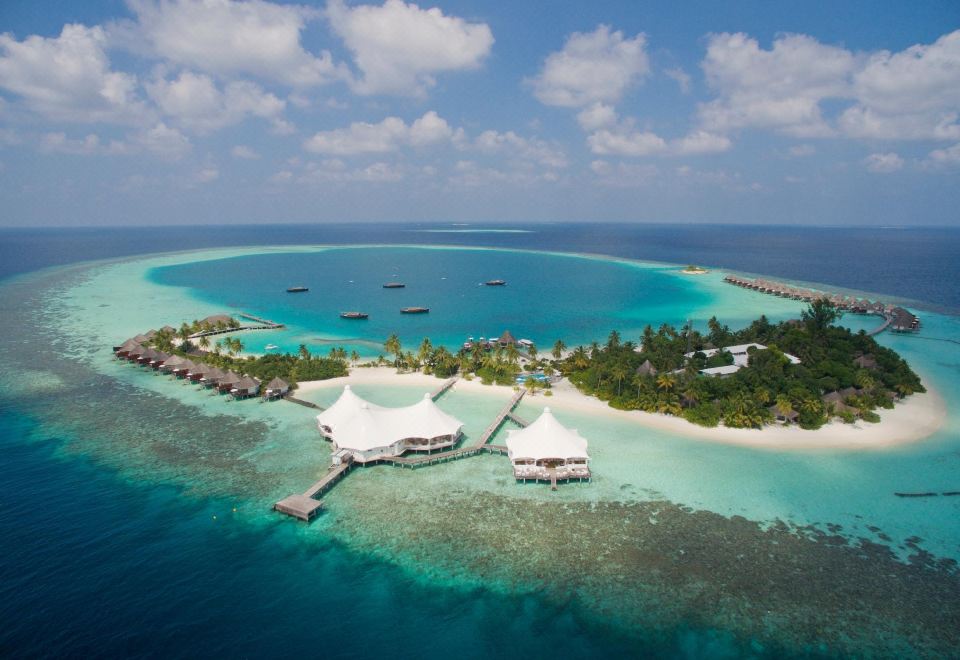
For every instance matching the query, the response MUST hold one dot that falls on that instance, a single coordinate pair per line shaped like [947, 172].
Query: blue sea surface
[98, 565]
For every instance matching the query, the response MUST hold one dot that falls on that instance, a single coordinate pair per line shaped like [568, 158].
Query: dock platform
[440, 391]
[299, 506]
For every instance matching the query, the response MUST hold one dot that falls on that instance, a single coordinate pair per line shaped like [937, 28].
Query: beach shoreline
[917, 417]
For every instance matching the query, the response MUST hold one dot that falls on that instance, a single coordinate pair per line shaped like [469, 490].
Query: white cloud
[206, 175]
[912, 94]
[399, 47]
[592, 67]
[68, 78]
[625, 175]
[388, 135]
[780, 88]
[532, 149]
[625, 141]
[802, 150]
[194, 101]
[162, 141]
[596, 116]
[58, 142]
[227, 37]
[681, 77]
[244, 152]
[883, 163]
[947, 156]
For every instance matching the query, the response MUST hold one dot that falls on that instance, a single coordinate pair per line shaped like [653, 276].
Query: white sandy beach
[915, 418]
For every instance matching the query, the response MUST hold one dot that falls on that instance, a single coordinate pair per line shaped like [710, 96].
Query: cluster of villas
[363, 432]
[504, 340]
[224, 381]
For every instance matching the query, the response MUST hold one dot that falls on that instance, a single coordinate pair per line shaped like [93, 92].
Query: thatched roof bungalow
[276, 388]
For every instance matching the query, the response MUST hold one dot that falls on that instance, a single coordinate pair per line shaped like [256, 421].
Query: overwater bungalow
[218, 318]
[246, 386]
[133, 355]
[276, 388]
[147, 356]
[228, 382]
[171, 363]
[158, 360]
[548, 451]
[506, 339]
[371, 432]
[124, 349]
[184, 368]
[212, 377]
[198, 372]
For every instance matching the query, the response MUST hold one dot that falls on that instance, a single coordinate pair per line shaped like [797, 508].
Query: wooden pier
[308, 404]
[268, 322]
[440, 391]
[305, 506]
[519, 421]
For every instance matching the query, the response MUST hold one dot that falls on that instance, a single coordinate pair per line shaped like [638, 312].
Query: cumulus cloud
[802, 150]
[592, 67]
[399, 47]
[681, 77]
[227, 37]
[194, 101]
[388, 135]
[883, 163]
[596, 116]
[68, 78]
[780, 88]
[947, 156]
[912, 94]
[244, 152]
[160, 140]
[626, 141]
[533, 149]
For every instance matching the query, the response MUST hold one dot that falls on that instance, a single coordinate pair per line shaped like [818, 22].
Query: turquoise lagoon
[664, 549]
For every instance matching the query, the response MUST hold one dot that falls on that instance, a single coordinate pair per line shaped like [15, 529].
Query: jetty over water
[895, 318]
[305, 506]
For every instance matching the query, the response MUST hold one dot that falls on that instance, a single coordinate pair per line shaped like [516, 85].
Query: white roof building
[740, 358]
[372, 432]
[547, 450]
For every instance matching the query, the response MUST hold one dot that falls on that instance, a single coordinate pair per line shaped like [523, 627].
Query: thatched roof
[229, 378]
[129, 345]
[278, 384]
[215, 318]
[168, 328]
[247, 383]
[866, 362]
[506, 338]
[647, 369]
[790, 415]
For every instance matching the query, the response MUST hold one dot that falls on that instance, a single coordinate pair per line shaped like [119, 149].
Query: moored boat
[354, 315]
[414, 310]
[297, 289]
[394, 285]
[496, 282]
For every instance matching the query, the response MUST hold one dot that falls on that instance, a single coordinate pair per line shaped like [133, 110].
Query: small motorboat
[394, 285]
[354, 315]
[414, 310]
[270, 347]
[496, 283]
[297, 289]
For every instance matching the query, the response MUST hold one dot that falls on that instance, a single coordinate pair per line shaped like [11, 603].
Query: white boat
[270, 347]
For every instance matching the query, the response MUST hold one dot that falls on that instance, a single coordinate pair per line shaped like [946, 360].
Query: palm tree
[820, 315]
[426, 348]
[354, 357]
[392, 345]
[304, 352]
[580, 358]
[783, 404]
[558, 348]
[613, 341]
[619, 372]
[532, 384]
[666, 382]
[532, 351]
[184, 332]
[217, 347]
[204, 342]
[513, 355]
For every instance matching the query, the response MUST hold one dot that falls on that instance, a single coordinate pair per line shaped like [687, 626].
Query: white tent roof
[546, 438]
[359, 425]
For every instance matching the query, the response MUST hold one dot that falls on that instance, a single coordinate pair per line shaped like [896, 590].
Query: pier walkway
[440, 391]
[251, 317]
[308, 404]
[305, 506]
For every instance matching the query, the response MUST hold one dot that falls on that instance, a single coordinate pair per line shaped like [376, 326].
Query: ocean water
[151, 499]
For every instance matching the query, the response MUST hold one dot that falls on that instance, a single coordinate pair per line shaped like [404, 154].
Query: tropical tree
[618, 372]
[304, 352]
[513, 355]
[558, 348]
[426, 348]
[666, 382]
[613, 340]
[392, 345]
[532, 351]
[819, 316]
[580, 358]
[204, 342]
[354, 357]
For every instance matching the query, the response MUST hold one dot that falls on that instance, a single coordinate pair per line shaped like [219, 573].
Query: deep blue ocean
[94, 566]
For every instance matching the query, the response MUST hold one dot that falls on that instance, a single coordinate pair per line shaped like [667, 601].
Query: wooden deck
[308, 404]
[305, 505]
[440, 391]
[260, 320]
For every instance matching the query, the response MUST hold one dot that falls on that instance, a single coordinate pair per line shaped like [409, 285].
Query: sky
[152, 112]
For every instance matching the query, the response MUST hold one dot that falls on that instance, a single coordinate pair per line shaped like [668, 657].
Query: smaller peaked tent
[546, 439]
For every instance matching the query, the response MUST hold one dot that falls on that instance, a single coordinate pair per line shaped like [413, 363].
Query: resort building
[741, 358]
[548, 451]
[371, 432]
[276, 388]
[246, 386]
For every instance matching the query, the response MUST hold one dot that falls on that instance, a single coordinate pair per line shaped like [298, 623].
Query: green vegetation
[841, 373]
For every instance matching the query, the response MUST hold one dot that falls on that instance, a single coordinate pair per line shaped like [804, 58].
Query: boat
[496, 283]
[270, 347]
[297, 289]
[414, 310]
[394, 285]
[354, 315]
